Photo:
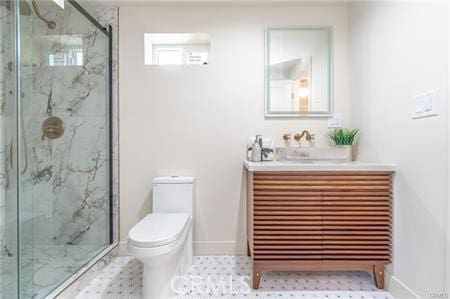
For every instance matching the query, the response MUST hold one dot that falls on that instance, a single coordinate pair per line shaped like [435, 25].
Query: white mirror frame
[287, 114]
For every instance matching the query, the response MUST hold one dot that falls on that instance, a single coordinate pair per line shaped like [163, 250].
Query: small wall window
[62, 50]
[176, 48]
[73, 57]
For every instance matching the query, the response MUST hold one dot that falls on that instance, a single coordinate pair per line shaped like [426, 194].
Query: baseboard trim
[219, 248]
[123, 249]
[206, 248]
[397, 288]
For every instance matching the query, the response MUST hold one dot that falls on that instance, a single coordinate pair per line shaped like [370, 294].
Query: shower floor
[8, 272]
[122, 278]
[46, 267]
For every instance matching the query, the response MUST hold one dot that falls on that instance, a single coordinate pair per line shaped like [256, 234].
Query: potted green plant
[345, 139]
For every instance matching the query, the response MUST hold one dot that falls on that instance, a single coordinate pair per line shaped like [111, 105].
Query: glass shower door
[55, 144]
[8, 161]
[64, 144]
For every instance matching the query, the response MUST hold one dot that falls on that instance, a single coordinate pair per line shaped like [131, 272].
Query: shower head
[25, 10]
[50, 24]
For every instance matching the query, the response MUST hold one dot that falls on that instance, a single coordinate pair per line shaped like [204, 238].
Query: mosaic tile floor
[227, 277]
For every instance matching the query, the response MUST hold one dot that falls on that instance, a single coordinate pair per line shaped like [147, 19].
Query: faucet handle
[311, 137]
[287, 136]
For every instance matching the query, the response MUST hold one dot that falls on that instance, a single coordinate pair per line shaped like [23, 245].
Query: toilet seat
[158, 229]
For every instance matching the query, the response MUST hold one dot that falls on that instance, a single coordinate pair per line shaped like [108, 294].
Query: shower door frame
[108, 31]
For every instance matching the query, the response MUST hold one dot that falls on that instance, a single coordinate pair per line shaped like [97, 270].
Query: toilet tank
[173, 194]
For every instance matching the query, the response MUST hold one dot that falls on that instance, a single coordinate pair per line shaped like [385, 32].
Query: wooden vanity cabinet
[337, 220]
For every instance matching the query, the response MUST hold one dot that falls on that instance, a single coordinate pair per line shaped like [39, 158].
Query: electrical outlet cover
[335, 121]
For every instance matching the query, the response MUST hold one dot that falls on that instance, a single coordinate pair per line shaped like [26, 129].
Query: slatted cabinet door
[321, 220]
[357, 219]
[287, 219]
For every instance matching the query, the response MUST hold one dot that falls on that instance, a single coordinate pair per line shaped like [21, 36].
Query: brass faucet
[287, 137]
[308, 137]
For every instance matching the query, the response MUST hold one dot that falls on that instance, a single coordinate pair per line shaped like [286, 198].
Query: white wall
[447, 272]
[196, 120]
[397, 51]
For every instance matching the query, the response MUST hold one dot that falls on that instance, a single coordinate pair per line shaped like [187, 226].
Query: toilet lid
[158, 229]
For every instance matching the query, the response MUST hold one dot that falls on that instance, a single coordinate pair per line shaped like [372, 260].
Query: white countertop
[317, 166]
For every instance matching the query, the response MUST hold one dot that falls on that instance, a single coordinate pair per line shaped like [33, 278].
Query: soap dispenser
[257, 149]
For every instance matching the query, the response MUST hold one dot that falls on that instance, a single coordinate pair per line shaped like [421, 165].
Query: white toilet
[162, 241]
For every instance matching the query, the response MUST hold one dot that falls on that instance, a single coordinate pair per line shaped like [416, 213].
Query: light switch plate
[425, 105]
[335, 121]
[418, 105]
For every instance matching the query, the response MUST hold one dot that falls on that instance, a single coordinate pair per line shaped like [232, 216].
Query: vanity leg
[248, 250]
[256, 277]
[378, 273]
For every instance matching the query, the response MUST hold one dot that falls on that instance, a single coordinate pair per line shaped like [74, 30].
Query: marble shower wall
[108, 14]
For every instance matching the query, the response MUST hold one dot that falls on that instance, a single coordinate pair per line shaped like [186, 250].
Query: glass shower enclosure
[55, 144]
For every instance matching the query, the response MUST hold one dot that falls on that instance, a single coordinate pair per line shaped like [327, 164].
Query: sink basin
[312, 161]
[313, 155]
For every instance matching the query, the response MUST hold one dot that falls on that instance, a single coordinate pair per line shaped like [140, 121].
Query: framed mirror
[298, 71]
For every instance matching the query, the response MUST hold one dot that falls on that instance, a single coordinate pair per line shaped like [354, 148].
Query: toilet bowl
[162, 241]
